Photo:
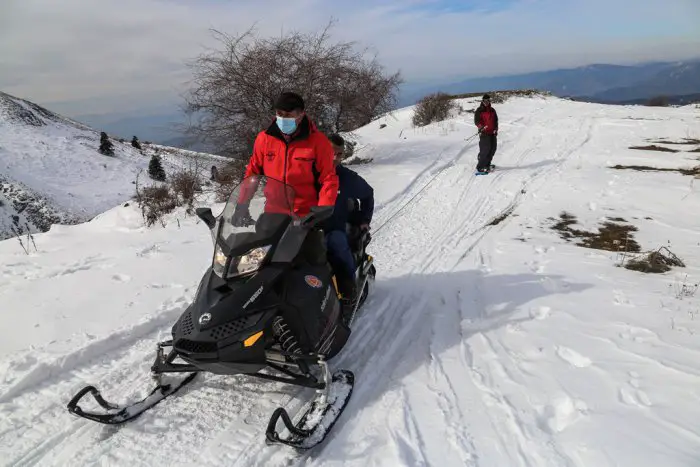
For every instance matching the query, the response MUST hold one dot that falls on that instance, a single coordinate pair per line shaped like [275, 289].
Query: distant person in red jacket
[486, 120]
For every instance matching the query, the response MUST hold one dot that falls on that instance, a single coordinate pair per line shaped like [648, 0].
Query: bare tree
[234, 88]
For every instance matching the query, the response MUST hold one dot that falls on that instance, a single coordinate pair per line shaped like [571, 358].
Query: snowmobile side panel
[318, 420]
[308, 293]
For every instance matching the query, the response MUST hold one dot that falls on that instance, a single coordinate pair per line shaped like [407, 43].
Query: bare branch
[234, 88]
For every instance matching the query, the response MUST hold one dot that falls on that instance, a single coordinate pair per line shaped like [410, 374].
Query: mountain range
[596, 83]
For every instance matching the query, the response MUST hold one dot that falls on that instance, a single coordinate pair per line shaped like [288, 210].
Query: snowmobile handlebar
[317, 215]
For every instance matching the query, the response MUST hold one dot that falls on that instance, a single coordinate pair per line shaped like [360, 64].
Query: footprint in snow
[632, 395]
[636, 334]
[121, 278]
[572, 357]
[540, 312]
[621, 299]
[148, 252]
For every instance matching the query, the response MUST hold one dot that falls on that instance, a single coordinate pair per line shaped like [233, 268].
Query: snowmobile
[268, 307]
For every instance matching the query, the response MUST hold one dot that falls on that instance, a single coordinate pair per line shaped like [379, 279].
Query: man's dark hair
[486, 97]
[289, 101]
[337, 140]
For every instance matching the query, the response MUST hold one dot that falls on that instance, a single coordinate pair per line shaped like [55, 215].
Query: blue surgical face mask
[287, 125]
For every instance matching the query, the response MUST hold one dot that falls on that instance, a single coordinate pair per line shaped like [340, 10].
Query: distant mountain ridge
[600, 83]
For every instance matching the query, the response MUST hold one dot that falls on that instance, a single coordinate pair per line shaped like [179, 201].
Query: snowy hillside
[493, 338]
[51, 171]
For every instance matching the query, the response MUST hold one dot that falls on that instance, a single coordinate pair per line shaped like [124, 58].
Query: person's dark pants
[487, 149]
[341, 259]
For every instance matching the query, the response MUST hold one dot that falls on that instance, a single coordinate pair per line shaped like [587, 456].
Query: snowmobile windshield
[252, 222]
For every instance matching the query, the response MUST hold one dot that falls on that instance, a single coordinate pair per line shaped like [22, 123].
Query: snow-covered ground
[51, 171]
[490, 340]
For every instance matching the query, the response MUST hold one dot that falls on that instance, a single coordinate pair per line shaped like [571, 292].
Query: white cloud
[98, 55]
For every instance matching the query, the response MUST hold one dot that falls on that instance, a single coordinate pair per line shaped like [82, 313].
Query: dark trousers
[341, 258]
[487, 148]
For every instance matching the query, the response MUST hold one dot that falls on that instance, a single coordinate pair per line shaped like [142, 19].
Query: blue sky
[101, 56]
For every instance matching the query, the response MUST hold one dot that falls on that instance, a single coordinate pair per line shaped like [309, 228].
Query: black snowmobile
[268, 306]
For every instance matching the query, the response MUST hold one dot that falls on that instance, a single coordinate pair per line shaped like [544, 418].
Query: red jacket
[305, 163]
[486, 117]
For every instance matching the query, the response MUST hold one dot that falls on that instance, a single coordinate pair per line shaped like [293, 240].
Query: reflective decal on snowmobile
[253, 297]
[313, 281]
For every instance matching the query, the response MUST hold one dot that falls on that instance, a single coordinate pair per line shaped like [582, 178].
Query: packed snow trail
[489, 341]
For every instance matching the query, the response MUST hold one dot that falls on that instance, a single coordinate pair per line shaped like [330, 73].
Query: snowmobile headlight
[219, 261]
[248, 262]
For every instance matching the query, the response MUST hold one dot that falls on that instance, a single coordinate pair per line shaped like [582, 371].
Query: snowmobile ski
[319, 418]
[124, 414]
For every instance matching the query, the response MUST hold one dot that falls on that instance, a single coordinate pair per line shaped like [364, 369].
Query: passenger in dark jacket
[486, 120]
[351, 186]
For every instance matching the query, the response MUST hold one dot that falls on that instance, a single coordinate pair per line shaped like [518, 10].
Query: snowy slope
[51, 172]
[490, 341]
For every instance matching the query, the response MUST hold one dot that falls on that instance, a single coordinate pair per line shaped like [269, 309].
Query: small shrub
[228, 177]
[106, 146]
[185, 184]
[658, 101]
[135, 143]
[155, 169]
[655, 262]
[155, 202]
[432, 108]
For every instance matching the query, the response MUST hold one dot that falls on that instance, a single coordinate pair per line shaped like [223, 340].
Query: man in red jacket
[293, 151]
[486, 120]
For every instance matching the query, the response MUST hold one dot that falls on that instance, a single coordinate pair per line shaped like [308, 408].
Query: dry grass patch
[695, 171]
[683, 141]
[611, 235]
[653, 147]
